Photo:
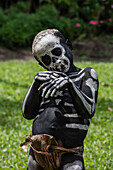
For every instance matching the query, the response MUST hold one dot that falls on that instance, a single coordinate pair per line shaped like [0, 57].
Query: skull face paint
[50, 53]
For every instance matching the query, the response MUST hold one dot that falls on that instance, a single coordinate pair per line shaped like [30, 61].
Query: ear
[69, 44]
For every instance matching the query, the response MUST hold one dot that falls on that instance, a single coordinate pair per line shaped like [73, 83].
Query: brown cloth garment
[48, 151]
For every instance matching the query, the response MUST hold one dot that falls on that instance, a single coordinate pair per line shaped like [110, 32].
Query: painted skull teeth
[48, 50]
[62, 64]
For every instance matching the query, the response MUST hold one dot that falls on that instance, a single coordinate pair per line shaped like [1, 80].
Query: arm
[85, 98]
[31, 101]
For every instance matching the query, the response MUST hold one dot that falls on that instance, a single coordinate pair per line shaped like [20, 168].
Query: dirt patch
[100, 49]
[7, 54]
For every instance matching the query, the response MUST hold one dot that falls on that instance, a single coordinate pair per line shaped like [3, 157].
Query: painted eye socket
[65, 62]
[46, 60]
[56, 51]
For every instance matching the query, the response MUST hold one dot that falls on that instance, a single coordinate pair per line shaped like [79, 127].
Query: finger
[45, 72]
[43, 92]
[60, 74]
[46, 75]
[55, 74]
[50, 90]
[54, 91]
[46, 89]
[59, 80]
[44, 84]
[43, 78]
[53, 77]
[59, 84]
[48, 93]
[63, 83]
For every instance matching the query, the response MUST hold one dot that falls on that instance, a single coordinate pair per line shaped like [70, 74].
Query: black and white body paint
[48, 50]
[62, 99]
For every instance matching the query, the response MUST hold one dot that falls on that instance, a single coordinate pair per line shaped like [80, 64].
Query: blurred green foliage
[75, 19]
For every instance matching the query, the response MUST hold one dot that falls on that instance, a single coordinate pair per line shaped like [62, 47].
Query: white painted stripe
[81, 71]
[93, 74]
[85, 103]
[40, 110]
[57, 101]
[37, 116]
[58, 93]
[47, 101]
[77, 126]
[68, 104]
[44, 74]
[76, 74]
[78, 78]
[44, 102]
[71, 115]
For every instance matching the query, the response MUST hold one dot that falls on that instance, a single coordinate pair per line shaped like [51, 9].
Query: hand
[49, 75]
[49, 88]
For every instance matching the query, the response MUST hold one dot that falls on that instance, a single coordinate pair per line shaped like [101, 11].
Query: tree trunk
[33, 4]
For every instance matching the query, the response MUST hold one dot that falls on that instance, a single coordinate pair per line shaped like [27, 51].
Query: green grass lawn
[15, 80]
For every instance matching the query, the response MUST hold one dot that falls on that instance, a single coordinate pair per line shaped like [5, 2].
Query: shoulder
[84, 73]
[90, 72]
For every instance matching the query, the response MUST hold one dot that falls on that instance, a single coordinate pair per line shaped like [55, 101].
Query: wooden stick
[108, 84]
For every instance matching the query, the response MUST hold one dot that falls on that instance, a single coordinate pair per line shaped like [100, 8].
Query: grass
[15, 79]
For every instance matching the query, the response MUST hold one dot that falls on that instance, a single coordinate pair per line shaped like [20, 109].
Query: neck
[74, 69]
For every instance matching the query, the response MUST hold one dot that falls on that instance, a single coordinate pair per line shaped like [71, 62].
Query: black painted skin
[52, 120]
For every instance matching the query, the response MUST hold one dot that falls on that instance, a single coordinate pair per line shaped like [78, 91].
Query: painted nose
[54, 59]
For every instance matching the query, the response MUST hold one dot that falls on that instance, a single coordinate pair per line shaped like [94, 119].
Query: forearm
[31, 101]
[84, 105]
